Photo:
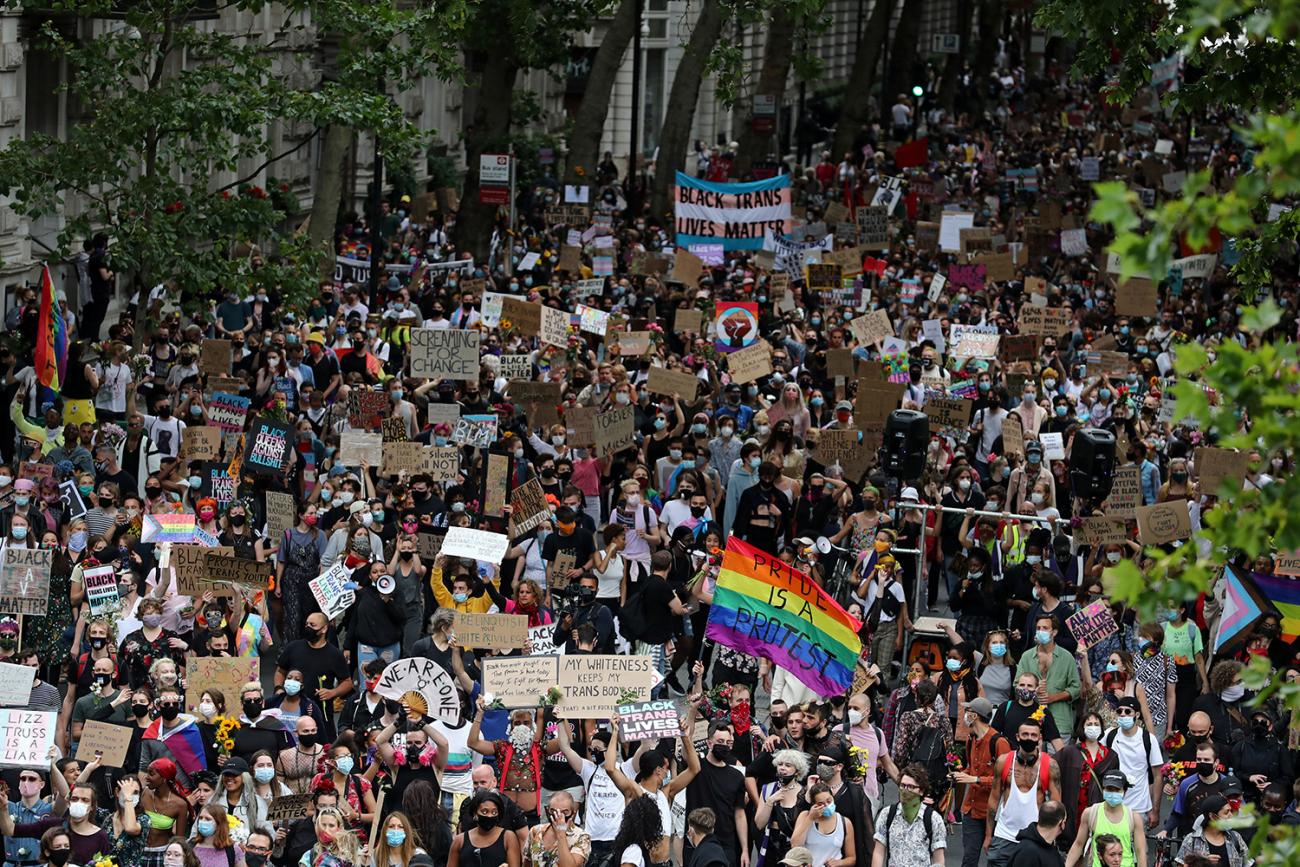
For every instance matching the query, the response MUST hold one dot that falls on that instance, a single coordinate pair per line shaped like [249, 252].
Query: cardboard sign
[822, 278]
[111, 741]
[873, 227]
[191, 566]
[648, 721]
[968, 276]
[664, 381]
[25, 580]
[429, 545]
[750, 363]
[445, 353]
[973, 341]
[1164, 522]
[525, 393]
[554, 327]
[360, 447]
[475, 544]
[289, 808]
[871, 328]
[565, 562]
[227, 674]
[846, 448]
[950, 225]
[1136, 296]
[16, 684]
[875, 400]
[26, 737]
[630, 342]
[332, 597]
[496, 485]
[1215, 466]
[687, 268]
[839, 362]
[518, 366]
[492, 631]
[367, 409]
[1018, 347]
[477, 432]
[519, 681]
[215, 356]
[1013, 435]
[523, 316]
[1284, 563]
[281, 514]
[998, 267]
[1092, 624]
[1045, 321]
[614, 430]
[528, 507]
[230, 569]
[951, 412]
[267, 452]
[580, 423]
[1107, 362]
[1125, 494]
[201, 443]
[101, 588]
[689, 320]
[417, 676]
[1100, 531]
[593, 686]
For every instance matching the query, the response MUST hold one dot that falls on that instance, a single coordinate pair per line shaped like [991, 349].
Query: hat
[1033, 446]
[845, 405]
[1114, 780]
[1130, 702]
[25, 485]
[834, 752]
[386, 584]
[981, 707]
[804, 542]
[234, 766]
[358, 506]
[406, 200]
[316, 337]
[909, 493]
[799, 856]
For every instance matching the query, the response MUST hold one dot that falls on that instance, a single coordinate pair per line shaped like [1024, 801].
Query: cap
[234, 766]
[1114, 780]
[844, 404]
[1033, 446]
[799, 856]
[406, 200]
[981, 707]
[358, 506]
[834, 752]
[386, 584]
[1130, 702]
[24, 485]
[804, 542]
[909, 493]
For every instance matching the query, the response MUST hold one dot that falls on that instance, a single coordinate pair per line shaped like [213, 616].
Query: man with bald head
[1199, 730]
[559, 832]
[512, 819]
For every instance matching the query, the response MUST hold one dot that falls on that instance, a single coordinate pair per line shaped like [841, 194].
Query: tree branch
[269, 161]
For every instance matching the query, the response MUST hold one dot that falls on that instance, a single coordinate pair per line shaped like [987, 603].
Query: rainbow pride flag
[765, 608]
[185, 743]
[1284, 592]
[1243, 607]
[51, 337]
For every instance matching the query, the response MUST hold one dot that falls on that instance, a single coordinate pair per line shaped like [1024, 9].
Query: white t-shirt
[677, 512]
[611, 579]
[165, 433]
[632, 855]
[605, 802]
[1134, 765]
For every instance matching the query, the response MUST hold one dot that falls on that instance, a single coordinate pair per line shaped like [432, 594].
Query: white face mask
[855, 716]
[78, 809]
[1036, 498]
[344, 497]
[207, 708]
[521, 737]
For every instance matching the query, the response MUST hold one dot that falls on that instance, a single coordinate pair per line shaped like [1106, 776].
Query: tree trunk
[490, 129]
[952, 69]
[675, 136]
[986, 51]
[326, 195]
[902, 58]
[589, 123]
[777, 55]
[857, 93]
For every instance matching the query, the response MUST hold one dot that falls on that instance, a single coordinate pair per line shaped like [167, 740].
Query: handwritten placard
[664, 381]
[361, 447]
[201, 443]
[871, 328]
[519, 681]
[613, 430]
[447, 353]
[1091, 624]
[492, 631]
[227, 674]
[25, 738]
[25, 580]
[289, 808]
[111, 741]
[594, 685]
[1125, 494]
[1100, 531]
[475, 544]
[750, 363]
[191, 566]
[528, 507]
[1163, 523]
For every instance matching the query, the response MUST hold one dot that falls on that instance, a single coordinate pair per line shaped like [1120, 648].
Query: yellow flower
[228, 744]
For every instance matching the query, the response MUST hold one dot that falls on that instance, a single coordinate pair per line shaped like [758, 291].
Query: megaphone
[823, 545]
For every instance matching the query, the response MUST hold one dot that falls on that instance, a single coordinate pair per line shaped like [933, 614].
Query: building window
[653, 104]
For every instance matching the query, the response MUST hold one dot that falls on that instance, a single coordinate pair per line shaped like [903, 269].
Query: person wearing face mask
[486, 843]
[354, 543]
[742, 476]
[925, 735]
[301, 550]
[720, 785]
[1026, 478]
[1140, 758]
[104, 702]
[148, 644]
[589, 611]
[325, 672]
[1213, 839]
[1185, 645]
[983, 749]
[910, 833]
[1060, 685]
[1262, 758]
[30, 807]
[1023, 705]
[86, 837]
[763, 513]
[1205, 781]
[1024, 783]
[519, 756]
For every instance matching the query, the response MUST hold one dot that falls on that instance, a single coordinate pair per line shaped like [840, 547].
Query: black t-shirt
[722, 790]
[579, 543]
[321, 667]
[658, 597]
[100, 288]
[1008, 717]
[557, 773]
[355, 363]
[322, 369]
[407, 775]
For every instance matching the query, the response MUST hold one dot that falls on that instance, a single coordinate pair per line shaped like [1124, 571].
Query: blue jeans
[972, 840]
[1000, 851]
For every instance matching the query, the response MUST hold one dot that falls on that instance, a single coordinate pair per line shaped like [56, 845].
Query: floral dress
[127, 848]
[139, 653]
[51, 635]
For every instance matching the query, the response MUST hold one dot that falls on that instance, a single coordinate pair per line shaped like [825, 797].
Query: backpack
[931, 752]
[1146, 747]
[926, 812]
[632, 617]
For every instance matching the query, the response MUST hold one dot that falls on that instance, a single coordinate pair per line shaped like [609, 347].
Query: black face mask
[406, 555]
[169, 712]
[697, 511]
[103, 679]
[1197, 738]
[254, 859]
[778, 722]
[1260, 728]
[1205, 768]
[486, 823]
[308, 741]
[392, 706]
[598, 756]
[722, 753]
[1028, 746]
[59, 857]
[238, 520]
[140, 710]
[253, 708]
[586, 595]
[98, 643]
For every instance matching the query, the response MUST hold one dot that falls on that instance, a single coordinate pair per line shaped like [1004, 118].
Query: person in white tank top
[1017, 807]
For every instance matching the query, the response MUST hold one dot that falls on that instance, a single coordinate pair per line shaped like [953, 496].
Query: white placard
[15, 684]
[950, 225]
[429, 679]
[25, 738]
[932, 329]
[1074, 242]
[530, 260]
[475, 544]
[328, 589]
[540, 641]
[937, 285]
[1053, 446]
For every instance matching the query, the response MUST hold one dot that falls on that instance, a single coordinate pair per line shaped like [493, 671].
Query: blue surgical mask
[196, 482]
[1033, 560]
[829, 810]
[264, 775]
[206, 827]
[953, 664]
[439, 441]
[1113, 799]
[22, 501]
[660, 424]
[1126, 722]
[344, 764]
[1110, 666]
[817, 401]
[19, 533]
[999, 650]
[1043, 636]
[754, 462]
[460, 597]
[292, 687]
[395, 836]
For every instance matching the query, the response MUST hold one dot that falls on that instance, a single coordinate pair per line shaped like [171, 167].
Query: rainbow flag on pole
[1283, 592]
[765, 608]
[1244, 606]
[51, 337]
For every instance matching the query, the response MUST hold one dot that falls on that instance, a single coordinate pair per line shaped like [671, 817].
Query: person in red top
[518, 759]
[983, 749]
[825, 170]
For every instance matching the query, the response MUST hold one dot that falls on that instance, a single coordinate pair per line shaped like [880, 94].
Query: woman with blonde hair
[781, 803]
[333, 840]
[398, 844]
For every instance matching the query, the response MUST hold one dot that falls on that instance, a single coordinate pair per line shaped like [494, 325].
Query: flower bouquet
[225, 739]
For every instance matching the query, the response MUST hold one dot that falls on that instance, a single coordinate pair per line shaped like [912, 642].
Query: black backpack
[1146, 750]
[926, 813]
[931, 752]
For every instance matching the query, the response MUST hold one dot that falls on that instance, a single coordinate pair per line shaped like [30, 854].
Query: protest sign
[973, 341]
[235, 570]
[25, 580]
[518, 366]
[441, 463]
[593, 685]
[526, 392]
[1100, 531]
[289, 808]
[1284, 563]
[1214, 466]
[429, 545]
[822, 277]
[228, 384]
[687, 268]
[475, 544]
[1164, 522]
[281, 514]
[565, 562]
[1013, 435]
[665, 381]
[735, 325]
[629, 342]
[554, 328]
[1074, 242]
[967, 276]
[101, 588]
[267, 452]
[328, 588]
[887, 195]
[70, 498]
[173, 527]
[15, 684]
[950, 225]
[875, 400]
[734, 215]
[110, 741]
[873, 228]
[872, 328]
[361, 447]
[951, 412]
[519, 681]
[1045, 321]
[201, 443]
[496, 484]
[613, 430]
[844, 447]
[580, 423]
[689, 319]
[751, 363]
[26, 737]
[541, 640]
[522, 316]
[591, 320]
[648, 720]
[228, 411]
[1091, 624]
[215, 356]
[1053, 445]
[445, 353]
[228, 674]
[839, 362]
[1018, 347]
[367, 408]
[1125, 494]
[478, 431]
[418, 677]
[491, 631]
[217, 482]
[528, 507]
[191, 565]
[1136, 296]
